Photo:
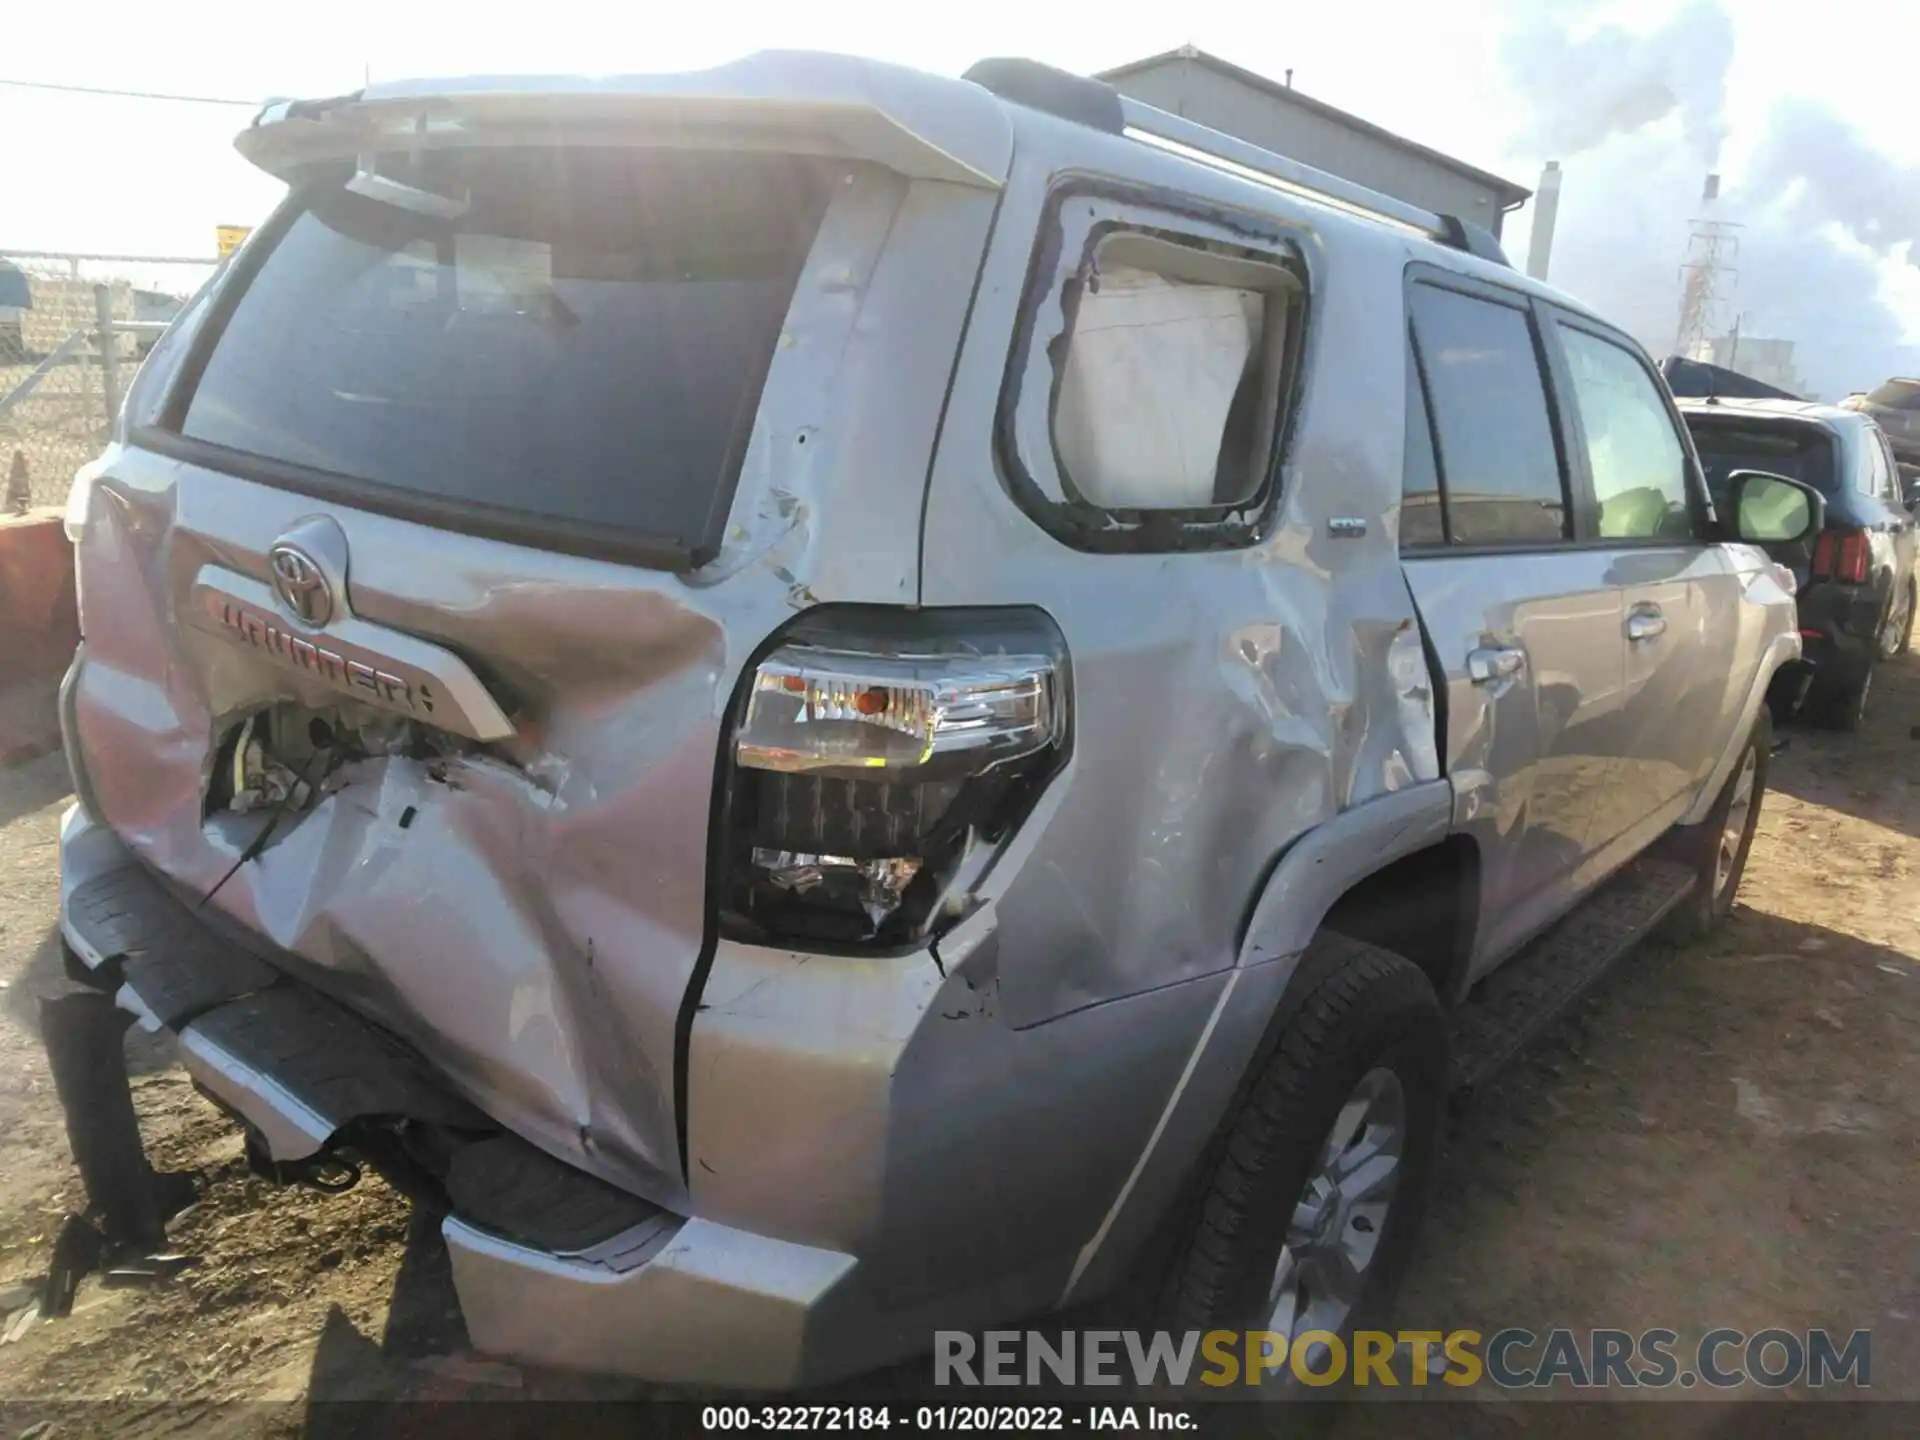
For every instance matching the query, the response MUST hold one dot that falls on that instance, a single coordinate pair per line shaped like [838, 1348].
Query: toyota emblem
[301, 585]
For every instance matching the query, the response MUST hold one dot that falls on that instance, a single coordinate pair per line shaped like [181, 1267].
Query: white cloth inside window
[1150, 376]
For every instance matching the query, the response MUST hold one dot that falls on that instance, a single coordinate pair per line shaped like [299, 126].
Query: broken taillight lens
[875, 776]
[1843, 555]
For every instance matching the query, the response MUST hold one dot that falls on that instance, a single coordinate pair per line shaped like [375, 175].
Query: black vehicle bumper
[1834, 655]
[1839, 634]
[1840, 623]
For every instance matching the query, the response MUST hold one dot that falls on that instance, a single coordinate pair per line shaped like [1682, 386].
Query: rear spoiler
[914, 124]
[1697, 380]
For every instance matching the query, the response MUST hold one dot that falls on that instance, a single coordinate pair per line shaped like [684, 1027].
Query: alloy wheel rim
[1334, 1233]
[1735, 828]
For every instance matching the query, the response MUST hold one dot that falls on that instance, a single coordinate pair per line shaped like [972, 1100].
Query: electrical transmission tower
[1706, 276]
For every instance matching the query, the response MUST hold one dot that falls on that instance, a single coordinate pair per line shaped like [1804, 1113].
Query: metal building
[1213, 92]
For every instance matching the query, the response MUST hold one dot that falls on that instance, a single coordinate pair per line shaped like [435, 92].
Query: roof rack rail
[1267, 167]
[1054, 91]
[1097, 104]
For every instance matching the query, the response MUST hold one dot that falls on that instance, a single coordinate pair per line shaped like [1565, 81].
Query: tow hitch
[328, 1172]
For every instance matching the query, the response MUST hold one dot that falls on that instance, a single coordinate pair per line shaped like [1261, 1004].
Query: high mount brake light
[873, 780]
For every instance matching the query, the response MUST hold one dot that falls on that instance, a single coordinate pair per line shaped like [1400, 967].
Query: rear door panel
[1524, 624]
[1678, 598]
[1891, 525]
[1676, 682]
[1531, 755]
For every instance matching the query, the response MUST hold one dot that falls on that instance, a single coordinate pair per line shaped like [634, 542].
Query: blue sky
[1503, 84]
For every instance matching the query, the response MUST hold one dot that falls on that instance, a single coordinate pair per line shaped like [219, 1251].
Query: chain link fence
[73, 331]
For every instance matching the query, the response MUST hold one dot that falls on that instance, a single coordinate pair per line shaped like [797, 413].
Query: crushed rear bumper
[551, 1265]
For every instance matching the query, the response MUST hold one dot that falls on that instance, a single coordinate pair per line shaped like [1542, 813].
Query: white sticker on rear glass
[498, 273]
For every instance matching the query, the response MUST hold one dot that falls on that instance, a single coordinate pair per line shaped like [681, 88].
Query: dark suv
[1856, 576]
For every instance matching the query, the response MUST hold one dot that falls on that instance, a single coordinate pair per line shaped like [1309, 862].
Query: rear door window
[1498, 463]
[1880, 466]
[1867, 464]
[578, 339]
[1422, 515]
[1634, 454]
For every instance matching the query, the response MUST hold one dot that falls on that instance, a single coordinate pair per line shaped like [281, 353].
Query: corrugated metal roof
[1510, 193]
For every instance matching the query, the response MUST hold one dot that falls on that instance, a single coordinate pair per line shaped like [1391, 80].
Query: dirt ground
[1721, 1135]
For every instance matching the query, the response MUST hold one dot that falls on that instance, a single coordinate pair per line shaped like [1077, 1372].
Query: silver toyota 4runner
[827, 702]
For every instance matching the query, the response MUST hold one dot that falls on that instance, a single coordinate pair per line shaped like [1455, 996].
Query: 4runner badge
[300, 585]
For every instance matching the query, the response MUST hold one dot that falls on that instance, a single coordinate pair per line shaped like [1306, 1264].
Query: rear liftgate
[314, 1084]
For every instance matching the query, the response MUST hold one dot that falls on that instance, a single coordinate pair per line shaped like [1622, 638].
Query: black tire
[1368, 1009]
[1838, 701]
[1698, 846]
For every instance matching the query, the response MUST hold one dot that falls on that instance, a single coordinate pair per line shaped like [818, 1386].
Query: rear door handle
[1494, 662]
[1646, 625]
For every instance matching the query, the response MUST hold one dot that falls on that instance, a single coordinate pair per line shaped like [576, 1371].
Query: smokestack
[1289, 78]
[1712, 191]
[1546, 208]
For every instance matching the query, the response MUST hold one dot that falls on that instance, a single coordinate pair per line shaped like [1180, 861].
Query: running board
[1511, 1007]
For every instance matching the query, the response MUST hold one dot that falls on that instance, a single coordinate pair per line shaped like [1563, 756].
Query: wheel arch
[1424, 907]
[1332, 872]
[1781, 650]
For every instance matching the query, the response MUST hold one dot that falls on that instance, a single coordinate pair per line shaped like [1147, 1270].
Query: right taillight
[876, 767]
[1843, 555]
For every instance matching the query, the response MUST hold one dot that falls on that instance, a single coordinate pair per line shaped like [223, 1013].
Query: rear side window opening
[1152, 376]
[547, 343]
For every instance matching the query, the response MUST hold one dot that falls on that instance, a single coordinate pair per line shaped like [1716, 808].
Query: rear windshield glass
[582, 344]
[1897, 395]
[1800, 452]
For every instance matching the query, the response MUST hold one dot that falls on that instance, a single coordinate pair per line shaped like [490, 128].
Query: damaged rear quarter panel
[1226, 701]
[530, 915]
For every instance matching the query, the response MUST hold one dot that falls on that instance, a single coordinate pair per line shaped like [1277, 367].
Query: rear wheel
[1320, 1178]
[1716, 849]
